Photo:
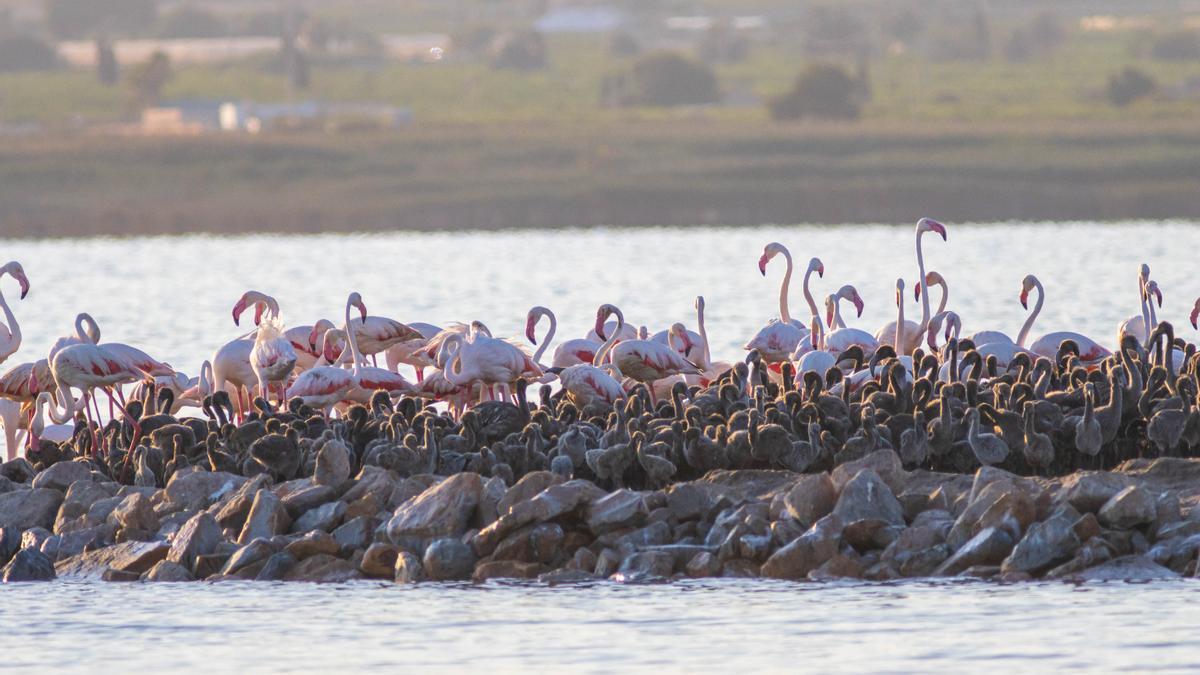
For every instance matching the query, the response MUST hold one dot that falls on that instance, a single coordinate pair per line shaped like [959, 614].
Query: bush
[189, 22]
[1128, 86]
[26, 52]
[520, 51]
[79, 18]
[622, 44]
[1181, 45]
[148, 79]
[822, 90]
[722, 44]
[670, 79]
[108, 71]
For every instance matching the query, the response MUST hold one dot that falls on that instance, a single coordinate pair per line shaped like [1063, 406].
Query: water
[173, 295]
[721, 625]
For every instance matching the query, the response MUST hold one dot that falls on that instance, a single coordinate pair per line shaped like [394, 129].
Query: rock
[506, 569]
[209, 565]
[550, 503]
[998, 504]
[689, 501]
[18, 470]
[301, 496]
[135, 513]
[749, 484]
[408, 569]
[812, 498]
[28, 565]
[74, 543]
[233, 512]
[257, 551]
[1129, 508]
[541, 543]
[198, 536]
[566, 577]
[885, 463]
[444, 510]
[528, 487]
[607, 563]
[1128, 568]
[379, 561]
[196, 489]
[1045, 545]
[353, 534]
[703, 564]
[867, 497]
[277, 567]
[654, 563]
[35, 537]
[101, 509]
[619, 509]
[734, 568]
[1090, 490]
[1006, 482]
[990, 547]
[448, 559]
[24, 509]
[80, 497]
[60, 476]
[911, 541]
[10, 543]
[839, 566]
[809, 551]
[323, 568]
[333, 465]
[494, 490]
[167, 571]
[267, 517]
[134, 556]
[325, 518]
[313, 543]
[923, 563]
[1087, 526]
[865, 535]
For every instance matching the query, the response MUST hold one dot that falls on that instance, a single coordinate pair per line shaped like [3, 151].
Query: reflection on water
[721, 625]
[173, 295]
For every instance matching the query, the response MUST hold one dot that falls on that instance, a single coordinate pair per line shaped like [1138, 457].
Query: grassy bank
[680, 171]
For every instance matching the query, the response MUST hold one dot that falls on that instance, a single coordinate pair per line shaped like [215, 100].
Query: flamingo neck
[899, 340]
[537, 355]
[602, 353]
[1152, 323]
[352, 337]
[784, 315]
[70, 406]
[924, 286]
[808, 296]
[1147, 308]
[838, 322]
[945, 297]
[13, 327]
[1037, 309]
[704, 353]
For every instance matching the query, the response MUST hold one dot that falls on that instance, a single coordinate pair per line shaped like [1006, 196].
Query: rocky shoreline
[867, 519]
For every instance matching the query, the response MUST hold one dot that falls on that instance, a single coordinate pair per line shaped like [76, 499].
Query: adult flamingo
[489, 361]
[779, 338]
[1195, 315]
[10, 334]
[1140, 324]
[325, 386]
[840, 337]
[934, 278]
[595, 382]
[377, 334]
[272, 356]
[408, 352]
[818, 359]
[1090, 352]
[86, 367]
[568, 352]
[87, 331]
[370, 378]
[710, 370]
[644, 360]
[901, 334]
[833, 309]
[953, 328]
[911, 333]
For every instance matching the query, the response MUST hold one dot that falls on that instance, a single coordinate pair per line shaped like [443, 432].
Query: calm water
[725, 626]
[173, 295]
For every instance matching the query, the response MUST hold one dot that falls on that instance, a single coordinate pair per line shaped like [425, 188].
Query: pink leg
[420, 374]
[87, 413]
[137, 430]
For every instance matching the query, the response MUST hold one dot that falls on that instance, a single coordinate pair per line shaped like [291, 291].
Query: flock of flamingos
[331, 365]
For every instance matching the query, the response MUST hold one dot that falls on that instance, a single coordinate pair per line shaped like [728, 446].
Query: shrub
[1128, 86]
[822, 90]
[108, 71]
[1181, 45]
[26, 52]
[148, 79]
[668, 79]
[622, 44]
[520, 51]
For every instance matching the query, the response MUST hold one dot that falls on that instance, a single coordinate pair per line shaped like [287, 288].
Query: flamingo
[39, 430]
[953, 328]
[644, 360]
[87, 331]
[10, 418]
[1195, 315]
[840, 337]
[779, 338]
[272, 356]
[325, 386]
[567, 353]
[1090, 352]
[377, 334]
[408, 352]
[934, 278]
[816, 360]
[1141, 324]
[710, 370]
[370, 378]
[595, 382]
[10, 334]
[908, 338]
[85, 367]
[490, 361]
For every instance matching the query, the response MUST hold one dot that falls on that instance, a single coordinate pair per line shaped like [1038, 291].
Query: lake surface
[712, 626]
[172, 296]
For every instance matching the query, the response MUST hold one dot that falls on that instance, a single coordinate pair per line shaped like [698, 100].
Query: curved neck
[808, 296]
[899, 338]
[615, 336]
[537, 356]
[945, 296]
[837, 313]
[1037, 308]
[1144, 298]
[13, 327]
[784, 315]
[68, 401]
[352, 338]
[704, 352]
[1151, 321]
[924, 286]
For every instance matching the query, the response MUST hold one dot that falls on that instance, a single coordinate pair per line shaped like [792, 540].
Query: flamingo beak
[935, 226]
[258, 312]
[1158, 295]
[931, 339]
[858, 304]
[1195, 315]
[312, 339]
[687, 345]
[331, 353]
[762, 265]
[529, 325]
[237, 312]
[1025, 299]
[917, 292]
[362, 310]
[821, 270]
[25, 286]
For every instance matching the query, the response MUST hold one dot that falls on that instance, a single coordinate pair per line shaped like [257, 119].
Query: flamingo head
[355, 300]
[815, 265]
[699, 303]
[14, 268]
[531, 322]
[1153, 290]
[1027, 284]
[240, 307]
[1195, 313]
[931, 225]
[830, 302]
[931, 278]
[850, 293]
[931, 337]
[606, 310]
[317, 331]
[899, 291]
[331, 346]
[1144, 272]
[769, 251]
[680, 330]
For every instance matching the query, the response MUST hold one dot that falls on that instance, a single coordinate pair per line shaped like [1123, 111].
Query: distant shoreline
[456, 178]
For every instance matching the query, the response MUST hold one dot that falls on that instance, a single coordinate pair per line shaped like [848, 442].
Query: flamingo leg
[137, 430]
[420, 371]
[87, 413]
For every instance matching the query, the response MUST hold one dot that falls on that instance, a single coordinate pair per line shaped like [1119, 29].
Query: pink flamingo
[272, 357]
[568, 352]
[10, 334]
[909, 335]
[1140, 325]
[644, 360]
[590, 383]
[840, 337]
[370, 378]
[408, 352]
[779, 338]
[488, 361]
[1090, 352]
[85, 367]
[325, 386]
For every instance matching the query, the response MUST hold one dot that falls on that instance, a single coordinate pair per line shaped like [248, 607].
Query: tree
[520, 51]
[80, 18]
[1128, 86]
[622, 44]
[1183, 45]
[108, 71]
[190, 22]
[148, 79]
[668, 79]
[822, 90]
[26, 52]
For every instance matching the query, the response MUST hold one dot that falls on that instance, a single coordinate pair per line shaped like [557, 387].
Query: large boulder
[135, 512]
[990, 547]
[808, 552]
[323, 568]
[1127, 568]
[885, 463]
[60, 476]
[199, 536]
[325, 518]
[135, 557]
[23, 509]
[1090, 490]
[528, 487]
[867, 497]
[550, 503]
[448, 559]
[333, 464]
[168, 572]
[811, 499]
[267, 517]
[616, 510]
[1045, 544]
[1129, 508]
[443, 510]
[80, 497]
[197, 489]
[28, 565]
